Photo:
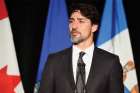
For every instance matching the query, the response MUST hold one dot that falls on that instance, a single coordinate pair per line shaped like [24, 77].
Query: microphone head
[81, 67]
[81, 64]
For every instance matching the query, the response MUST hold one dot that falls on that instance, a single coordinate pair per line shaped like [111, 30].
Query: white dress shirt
[87, 58]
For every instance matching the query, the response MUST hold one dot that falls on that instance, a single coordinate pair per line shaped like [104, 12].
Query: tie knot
[80, 60]
[81, 54]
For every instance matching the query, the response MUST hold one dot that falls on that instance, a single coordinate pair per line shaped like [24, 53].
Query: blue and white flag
[56, 35]
[114, 37]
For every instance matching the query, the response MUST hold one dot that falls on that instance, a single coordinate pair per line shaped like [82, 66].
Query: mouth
[75, 34]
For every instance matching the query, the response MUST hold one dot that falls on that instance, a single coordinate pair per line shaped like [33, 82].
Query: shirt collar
[88, 51]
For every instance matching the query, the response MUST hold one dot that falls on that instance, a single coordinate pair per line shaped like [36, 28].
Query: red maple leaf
[3, 11]
[8, 82]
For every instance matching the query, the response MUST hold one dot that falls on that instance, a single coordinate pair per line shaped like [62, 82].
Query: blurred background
[28, 18]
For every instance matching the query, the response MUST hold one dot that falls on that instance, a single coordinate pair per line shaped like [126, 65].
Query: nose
[74, 25]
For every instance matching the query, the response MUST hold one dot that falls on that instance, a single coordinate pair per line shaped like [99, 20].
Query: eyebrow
[78, 18]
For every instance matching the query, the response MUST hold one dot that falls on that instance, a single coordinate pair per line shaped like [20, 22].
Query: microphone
[82, 72]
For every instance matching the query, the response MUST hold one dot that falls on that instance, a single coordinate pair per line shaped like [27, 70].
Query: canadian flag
[10, 81]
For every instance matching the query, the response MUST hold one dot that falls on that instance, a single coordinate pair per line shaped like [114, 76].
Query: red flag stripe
[3, 11]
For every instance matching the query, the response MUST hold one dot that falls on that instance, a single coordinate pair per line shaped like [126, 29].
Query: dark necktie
[80, 75]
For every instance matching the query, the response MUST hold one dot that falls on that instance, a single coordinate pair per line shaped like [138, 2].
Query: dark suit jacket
[106, 75]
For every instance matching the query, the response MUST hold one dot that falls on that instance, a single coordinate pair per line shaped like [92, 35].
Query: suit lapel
[93, 70]
[69, 72]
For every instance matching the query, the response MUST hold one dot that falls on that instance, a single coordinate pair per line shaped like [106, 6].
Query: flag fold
[56, 35]
[114, 37]
[10, 80]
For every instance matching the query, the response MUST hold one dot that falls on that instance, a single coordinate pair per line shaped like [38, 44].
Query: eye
[82, 21]
[70, 21]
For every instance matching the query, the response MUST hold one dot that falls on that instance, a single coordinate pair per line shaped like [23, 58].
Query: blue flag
[56, 35]
[114, 37]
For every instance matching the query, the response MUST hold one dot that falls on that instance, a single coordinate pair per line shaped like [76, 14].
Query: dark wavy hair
[87, 10]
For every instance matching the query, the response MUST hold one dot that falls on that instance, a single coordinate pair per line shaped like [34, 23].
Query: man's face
[80, 27]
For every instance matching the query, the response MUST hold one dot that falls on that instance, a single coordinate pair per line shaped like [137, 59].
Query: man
[96, 71]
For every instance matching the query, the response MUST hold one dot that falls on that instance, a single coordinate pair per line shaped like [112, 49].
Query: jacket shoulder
[105, 53]
[59, 54]
[62, 52]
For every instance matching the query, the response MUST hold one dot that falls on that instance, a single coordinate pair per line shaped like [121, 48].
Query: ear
[94, 27]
